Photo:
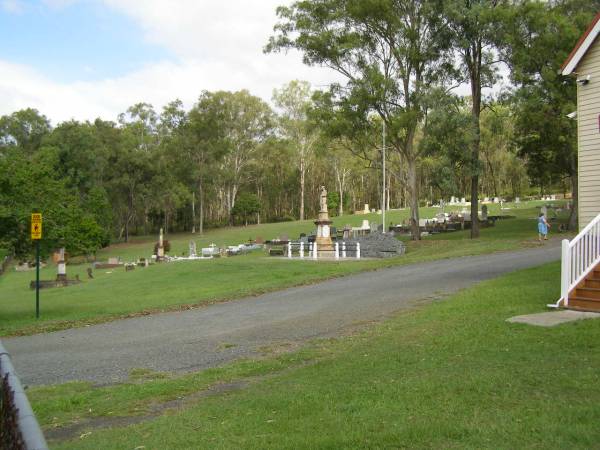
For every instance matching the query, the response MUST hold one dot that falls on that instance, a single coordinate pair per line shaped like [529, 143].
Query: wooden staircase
[586, 295]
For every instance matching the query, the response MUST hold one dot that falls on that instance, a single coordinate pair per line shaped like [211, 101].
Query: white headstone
[517, 200]
[365, 224]
[463, 200]
[366, 210]
[544, 210]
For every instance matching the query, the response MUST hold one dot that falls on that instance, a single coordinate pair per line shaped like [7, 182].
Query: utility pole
[383, 204]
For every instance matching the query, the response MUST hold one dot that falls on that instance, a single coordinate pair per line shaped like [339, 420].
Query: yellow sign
[36, 226]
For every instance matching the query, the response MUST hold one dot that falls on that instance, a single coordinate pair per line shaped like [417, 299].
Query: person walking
[543, 226]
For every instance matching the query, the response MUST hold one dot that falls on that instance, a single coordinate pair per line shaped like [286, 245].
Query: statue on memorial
[323, 199]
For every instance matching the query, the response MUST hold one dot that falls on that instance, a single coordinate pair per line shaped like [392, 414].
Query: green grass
[453, 374]
[116, 293]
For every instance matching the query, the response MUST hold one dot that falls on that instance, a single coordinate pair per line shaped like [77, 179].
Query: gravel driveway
[206, 337]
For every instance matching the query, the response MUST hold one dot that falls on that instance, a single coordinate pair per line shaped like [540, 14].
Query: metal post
[27, 424]
[289, 249]
[37, 279]
[358, 250]
[337, 250]
[565, 270]
[315, 250]
[383, 196]
[344, 249]
[301, 249]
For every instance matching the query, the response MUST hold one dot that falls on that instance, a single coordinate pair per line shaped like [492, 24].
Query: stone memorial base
[45, 284]
[325, 247]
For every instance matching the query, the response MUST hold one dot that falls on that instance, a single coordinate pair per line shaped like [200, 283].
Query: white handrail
[579, 257]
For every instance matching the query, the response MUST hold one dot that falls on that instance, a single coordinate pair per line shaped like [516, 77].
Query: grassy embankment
[115, 293]
[449, 374]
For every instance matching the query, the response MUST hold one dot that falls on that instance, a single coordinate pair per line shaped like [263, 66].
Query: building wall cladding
[588, 134]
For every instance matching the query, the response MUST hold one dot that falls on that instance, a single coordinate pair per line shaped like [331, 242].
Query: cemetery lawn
[444, 375]
[114, 293]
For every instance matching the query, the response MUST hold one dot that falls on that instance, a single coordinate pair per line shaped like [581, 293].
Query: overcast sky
[84, 59]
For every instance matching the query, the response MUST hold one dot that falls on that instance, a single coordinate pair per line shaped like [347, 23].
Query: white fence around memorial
[310, 250]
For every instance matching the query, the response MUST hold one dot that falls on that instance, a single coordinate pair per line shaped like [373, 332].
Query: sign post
[36, 235]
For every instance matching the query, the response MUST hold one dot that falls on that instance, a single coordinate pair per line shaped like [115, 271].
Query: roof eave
[582, 46]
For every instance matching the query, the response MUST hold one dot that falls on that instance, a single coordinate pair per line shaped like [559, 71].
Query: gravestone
[484, 212]
[366, 210]
[544, 211]
[517, 200]
[114, 261]
[365, 224]
[463, 200]
[347, 231]
[160, 252]
[193, 248]
[61, 266]
[259, 240]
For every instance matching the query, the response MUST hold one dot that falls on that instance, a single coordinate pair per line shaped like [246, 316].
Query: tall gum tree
[472, 27]
[294, 101]
[389, 52]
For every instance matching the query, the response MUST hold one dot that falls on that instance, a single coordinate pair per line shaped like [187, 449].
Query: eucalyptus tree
[473, 26]
[294, 102]
[24, 129]
[239, 122]
[389, 52]
[203, 141]
[141, 120]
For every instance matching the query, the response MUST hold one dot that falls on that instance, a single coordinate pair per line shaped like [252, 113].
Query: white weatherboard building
[580, 263]
[584, 63]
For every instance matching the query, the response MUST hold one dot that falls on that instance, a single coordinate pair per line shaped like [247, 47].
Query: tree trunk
[193, 212]
[414, 199]
[201, 221]
[475, 113]
[302, 170]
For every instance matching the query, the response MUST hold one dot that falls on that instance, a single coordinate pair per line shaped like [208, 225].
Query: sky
[83, 59]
